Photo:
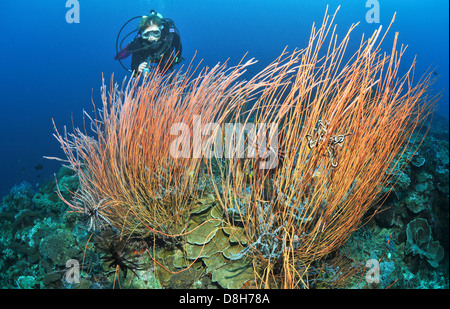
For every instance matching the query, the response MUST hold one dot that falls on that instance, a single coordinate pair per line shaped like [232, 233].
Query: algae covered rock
[416, 202]
[19, 198]
[59, 247]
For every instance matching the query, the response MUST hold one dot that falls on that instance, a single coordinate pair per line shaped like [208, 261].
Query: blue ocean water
[51, 69]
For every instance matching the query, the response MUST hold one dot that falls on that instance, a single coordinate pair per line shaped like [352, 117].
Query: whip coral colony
[329, 130]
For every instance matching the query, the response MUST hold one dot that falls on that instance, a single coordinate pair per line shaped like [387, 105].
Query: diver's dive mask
[156, 34]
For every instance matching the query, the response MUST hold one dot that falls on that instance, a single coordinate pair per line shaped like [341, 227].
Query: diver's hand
[142, 66]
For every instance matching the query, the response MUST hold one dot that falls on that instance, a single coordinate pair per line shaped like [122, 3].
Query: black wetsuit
[157, 52]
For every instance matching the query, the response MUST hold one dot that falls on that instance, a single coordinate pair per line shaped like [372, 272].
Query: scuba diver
[157, 43]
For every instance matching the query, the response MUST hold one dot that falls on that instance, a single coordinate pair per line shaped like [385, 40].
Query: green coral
[26, 282]
[211, 246]
[419, 241]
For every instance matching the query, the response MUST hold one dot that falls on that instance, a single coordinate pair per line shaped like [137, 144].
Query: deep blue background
[50, 69]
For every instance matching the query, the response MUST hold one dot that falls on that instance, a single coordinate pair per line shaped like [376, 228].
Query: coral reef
[415, 221]
[38, 235]
[358, 184]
